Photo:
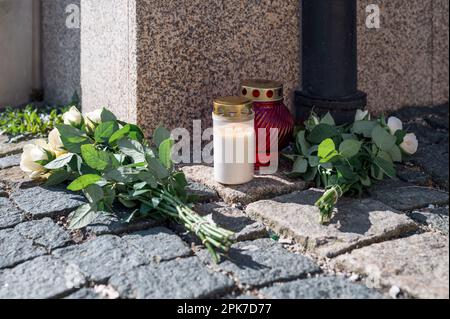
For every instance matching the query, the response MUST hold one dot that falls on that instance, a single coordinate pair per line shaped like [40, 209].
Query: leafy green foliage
[113, 164]
[344, 159]
[30, 121]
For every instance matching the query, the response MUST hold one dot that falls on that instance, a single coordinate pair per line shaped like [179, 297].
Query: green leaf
[82, 217]
[314, 161]
[160, 135]
[365, 180]
[123, 175]
[133, 149]
[107, 116]
[383, 139]
[300, 166]
[346, 172]
[157, 168]
[364, 128]
[165, 153]
[60, 162]
[120, 134]
[327, 150]
[93, 193]
[84, 181]
[322, 132]
[105, 130]
[310, 174]
[72, 138]
[350, 148]
[180, 178]
[396, 154]
[148, 178]
[302, 144]
[97, 160]
[400, 136]
[57, 177]
[386, 166]
[328, 119]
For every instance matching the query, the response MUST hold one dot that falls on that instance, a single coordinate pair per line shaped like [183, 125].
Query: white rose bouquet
[347, 159]
[111, 162]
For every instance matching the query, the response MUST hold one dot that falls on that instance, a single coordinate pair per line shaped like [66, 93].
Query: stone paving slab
[15, 249]
[203, 194]
[10, 161]
[434, 159]
[7, 149]
[9, 214]
[44, 233]
[261, 262]
[406, 197]
[414, 175]
[418, 265]
[85, 293]
[101, 258]
[158, 244]
[43, 277]
[320, 288]
[107, 224]
[14, 176]
[185, 278]
[261, 187]
[46, 202]
[233, 219]
[357, 222]
[437, 218]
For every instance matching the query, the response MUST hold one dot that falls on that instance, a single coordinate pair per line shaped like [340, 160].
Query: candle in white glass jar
[234, 141]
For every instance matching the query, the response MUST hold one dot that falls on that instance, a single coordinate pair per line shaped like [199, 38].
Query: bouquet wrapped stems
[212, 236]
[329, 199]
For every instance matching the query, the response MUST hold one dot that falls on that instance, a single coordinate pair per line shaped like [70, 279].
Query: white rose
[72, 117]
[95, 116]
[31, 154]
[410, 144]
[361, 115]
[394, 124]
[54, 140]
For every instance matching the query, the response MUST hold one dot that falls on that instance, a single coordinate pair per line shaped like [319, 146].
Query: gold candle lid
[262, 90]
[234, 108]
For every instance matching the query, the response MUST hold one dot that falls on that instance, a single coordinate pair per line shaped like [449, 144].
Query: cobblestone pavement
[393, 244]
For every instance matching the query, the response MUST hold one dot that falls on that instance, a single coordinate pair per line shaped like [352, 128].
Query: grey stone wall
[60, 53]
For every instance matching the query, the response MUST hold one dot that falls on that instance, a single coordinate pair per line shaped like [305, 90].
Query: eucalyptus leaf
[60, 162]
[165, 153]
[322, 132]
[82, 217]
[160, 135]
[84, 181]
[300, 165]
[350, 148]
[133, 149]
[383, 139]
[302, 144]
[328, 119]
[364, 128]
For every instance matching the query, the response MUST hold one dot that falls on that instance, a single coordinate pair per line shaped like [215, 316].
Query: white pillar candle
[234, 144]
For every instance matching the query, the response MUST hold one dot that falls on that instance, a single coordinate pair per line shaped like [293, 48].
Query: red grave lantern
[270, 112]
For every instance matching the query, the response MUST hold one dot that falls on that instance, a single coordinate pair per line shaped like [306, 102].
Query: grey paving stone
[15, 249]
[43, 277]
[85, 293]
[46, 202]
[437, 218]
[103, 257]
[320, 288]
[9, 214]
[356, 223]
[185, 278]
[44, 233]
[203, 193]
[233, 219]
[10, 161]
[413, 175]
[15, 177]
[108, 224]
[261, 187]
[418, 265]
[434, 160]
[7, 149]
[158, 244]
[406, 197]
[263, 261]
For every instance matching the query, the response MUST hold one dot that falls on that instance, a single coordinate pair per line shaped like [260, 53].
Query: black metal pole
[329, 60]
